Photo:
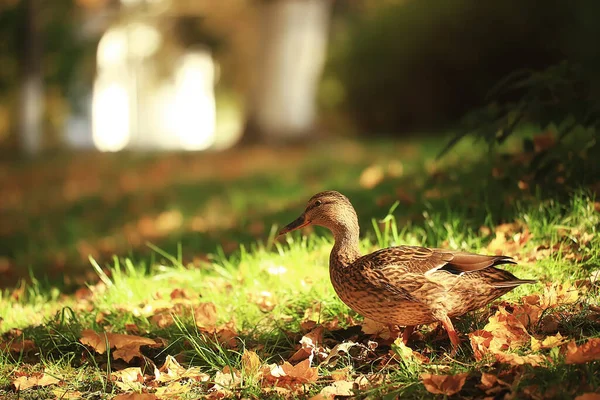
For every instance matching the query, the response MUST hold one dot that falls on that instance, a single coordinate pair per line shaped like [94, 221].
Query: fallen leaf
[135, 396]
[491, 384]
[127, 346]
[338, 388]
[407, 354]
[129, 379]
[205, 316]
[335, 353]
[588, 396]
[250, 363]
[507, 330]
[173, 390]
[444, 384]
[26, 382]
[547, 343]
[543, 141]
[589, 351]
[302, 372]
[18, 345]
[534, 360]
[67, 394]
[311, 345]
[173, 371]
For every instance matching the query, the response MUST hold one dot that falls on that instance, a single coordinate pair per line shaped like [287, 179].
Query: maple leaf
[444, 384]
[26, 382]
[589, 351]
[173, 371]
[507, 329]
[301, 372]
[127, 346]
[480, 342]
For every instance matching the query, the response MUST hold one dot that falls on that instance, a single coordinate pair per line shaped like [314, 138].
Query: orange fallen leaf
[588, 396]
[589, 351]
[444, 384]
[507, 329]
[205, 315]
[173, 390]
[311, 345]
[18, 345]
[491, 384]
[127, 346]
[26, 382]
[302, 372]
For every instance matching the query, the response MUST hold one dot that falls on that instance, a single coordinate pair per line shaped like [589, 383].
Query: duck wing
[416, 259]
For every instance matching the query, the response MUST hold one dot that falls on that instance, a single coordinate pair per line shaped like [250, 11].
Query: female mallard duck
[404, 285]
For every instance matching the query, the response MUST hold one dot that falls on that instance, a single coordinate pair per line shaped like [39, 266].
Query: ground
[159, 275]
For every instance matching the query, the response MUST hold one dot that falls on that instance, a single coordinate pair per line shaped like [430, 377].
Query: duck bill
[300, 222]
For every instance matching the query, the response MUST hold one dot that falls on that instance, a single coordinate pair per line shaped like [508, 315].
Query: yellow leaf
[338, 388]
[547, 343]
[250, 363]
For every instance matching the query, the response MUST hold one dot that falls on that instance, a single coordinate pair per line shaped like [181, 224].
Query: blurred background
[123, 121]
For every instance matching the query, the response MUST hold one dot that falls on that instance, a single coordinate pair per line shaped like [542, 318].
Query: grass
[216, 245]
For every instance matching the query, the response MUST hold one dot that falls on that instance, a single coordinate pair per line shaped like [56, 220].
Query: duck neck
[345, 250]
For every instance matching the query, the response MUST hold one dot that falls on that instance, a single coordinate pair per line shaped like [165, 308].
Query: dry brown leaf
[589, 351]
[516, 359]
[67, 394]
[250, 363]
[17, 345]
[332, 358]
[264, 300]
[444, 384]
[26, 382]
[173, 390]
[480, 342]
[370, 327]
[491, 384]
[302, 372]
[205, 315]
[342, 374]
[127, 346]
[173, 371]
[129, 379]
[588, 396]
[311, 345]
[338, 388]
[507, 329]
[135, 396]
[227, 379]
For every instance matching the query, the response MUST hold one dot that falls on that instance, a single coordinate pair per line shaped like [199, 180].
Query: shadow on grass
[197, 204]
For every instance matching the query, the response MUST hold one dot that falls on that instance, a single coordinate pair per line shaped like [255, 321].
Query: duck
[404, 286]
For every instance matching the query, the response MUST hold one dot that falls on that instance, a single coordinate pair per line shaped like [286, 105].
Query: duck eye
[318, 203]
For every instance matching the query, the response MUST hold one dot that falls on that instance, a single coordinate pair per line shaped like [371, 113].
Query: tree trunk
[31, 100]
[292, 53]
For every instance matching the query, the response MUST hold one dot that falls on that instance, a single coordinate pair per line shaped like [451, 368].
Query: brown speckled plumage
[404, 285]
